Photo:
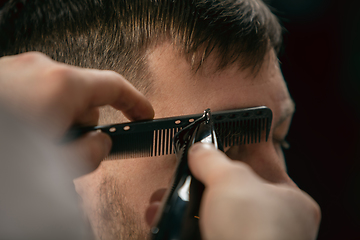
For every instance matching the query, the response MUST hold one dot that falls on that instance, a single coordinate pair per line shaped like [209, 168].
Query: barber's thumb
[205, 162]
[91, 149]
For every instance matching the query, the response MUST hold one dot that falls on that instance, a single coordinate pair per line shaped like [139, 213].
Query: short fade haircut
[117, 34]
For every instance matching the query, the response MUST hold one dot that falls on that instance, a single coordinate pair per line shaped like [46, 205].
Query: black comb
[154, 137]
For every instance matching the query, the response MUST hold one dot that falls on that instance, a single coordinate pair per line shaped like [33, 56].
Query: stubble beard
[114, 218]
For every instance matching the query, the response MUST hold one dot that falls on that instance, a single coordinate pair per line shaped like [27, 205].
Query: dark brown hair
[116, 34]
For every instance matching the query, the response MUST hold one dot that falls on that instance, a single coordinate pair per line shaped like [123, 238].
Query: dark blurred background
[321, 63]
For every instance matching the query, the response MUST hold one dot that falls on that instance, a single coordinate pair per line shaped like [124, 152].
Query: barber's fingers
[81, 90]
[90, 150]
[45, 91]
[110, 88]
[89, 118]
[211, 166]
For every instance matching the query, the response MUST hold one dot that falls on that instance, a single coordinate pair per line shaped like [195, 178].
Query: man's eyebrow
[288, 111]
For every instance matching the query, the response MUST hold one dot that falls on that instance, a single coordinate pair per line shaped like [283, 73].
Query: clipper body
[179, 219]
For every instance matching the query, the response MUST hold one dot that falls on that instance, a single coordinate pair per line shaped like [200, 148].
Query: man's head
[119, 34]
[185, 56]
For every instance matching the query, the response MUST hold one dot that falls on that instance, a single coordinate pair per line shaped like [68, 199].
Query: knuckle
[6, 59]
[24, 59]
[58, 81]
[29, 57]
[316, 212]
[60, 77]
[60, 72]
[309, 207]
[111, 73]
[312, 207]
[112, 76]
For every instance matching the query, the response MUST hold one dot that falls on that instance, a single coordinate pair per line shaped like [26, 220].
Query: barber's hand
[238, 204]
[54, 96]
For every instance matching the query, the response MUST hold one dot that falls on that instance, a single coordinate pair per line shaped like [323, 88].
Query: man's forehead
[172, 81]
[167, 60]
[176, 90]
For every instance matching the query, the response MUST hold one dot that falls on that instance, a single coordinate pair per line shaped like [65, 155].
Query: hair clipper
[179, 218]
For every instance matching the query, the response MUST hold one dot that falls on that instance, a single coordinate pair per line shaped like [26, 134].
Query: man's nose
[263, 159]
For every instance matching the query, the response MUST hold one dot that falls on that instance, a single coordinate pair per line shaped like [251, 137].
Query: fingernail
[200, 146]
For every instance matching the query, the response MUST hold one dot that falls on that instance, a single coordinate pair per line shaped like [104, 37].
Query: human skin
[53, 96]
[116, 196]
[238, 204]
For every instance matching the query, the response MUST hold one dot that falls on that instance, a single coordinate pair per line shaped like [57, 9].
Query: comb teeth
[162, 141]
[155, 137]
[124, 147]
[161, 144]
[239, 132]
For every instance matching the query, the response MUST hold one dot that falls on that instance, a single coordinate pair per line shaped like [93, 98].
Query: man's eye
[283, 143]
